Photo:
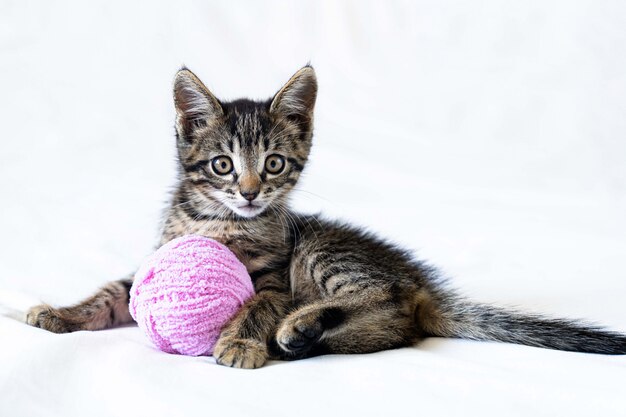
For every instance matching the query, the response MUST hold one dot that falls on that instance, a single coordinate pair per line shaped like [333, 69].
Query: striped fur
[322, 286]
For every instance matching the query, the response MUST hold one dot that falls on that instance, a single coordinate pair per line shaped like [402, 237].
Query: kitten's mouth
[249, 210]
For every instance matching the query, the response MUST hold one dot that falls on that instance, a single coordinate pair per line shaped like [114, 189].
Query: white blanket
[488, 137]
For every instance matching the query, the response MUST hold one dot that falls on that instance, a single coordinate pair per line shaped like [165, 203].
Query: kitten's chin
[249, 210]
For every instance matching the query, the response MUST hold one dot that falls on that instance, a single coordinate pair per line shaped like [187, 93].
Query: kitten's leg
[243, 341]
[106, 308]
[370, 321]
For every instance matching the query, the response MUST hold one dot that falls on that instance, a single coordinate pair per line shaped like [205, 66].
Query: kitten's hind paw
[48, 318]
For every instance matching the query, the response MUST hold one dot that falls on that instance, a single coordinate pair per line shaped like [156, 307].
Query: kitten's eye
[222, 165]
[274, 164]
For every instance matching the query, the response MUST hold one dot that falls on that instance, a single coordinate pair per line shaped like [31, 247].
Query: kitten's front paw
[240, 353]
[48, 318]
[299, 333]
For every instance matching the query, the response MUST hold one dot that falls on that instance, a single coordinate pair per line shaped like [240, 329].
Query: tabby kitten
[321, 286]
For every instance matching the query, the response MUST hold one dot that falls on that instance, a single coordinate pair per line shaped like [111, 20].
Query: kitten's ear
[195, 105]
[297, 97]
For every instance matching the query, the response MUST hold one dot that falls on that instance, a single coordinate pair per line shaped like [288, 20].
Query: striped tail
[450, 316]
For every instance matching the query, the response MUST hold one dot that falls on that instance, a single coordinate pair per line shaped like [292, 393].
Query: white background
[488, 136]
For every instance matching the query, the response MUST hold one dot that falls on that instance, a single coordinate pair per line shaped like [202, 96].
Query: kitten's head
[243, 156]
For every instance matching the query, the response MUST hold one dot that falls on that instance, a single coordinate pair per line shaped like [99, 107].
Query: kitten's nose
[249, 185]
[249, 195]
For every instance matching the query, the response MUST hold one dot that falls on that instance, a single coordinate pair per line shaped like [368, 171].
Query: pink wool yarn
[186, 291]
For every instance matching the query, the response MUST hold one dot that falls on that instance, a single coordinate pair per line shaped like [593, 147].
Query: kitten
[321, 286]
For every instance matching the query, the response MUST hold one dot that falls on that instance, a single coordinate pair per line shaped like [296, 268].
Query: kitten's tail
[451, 316]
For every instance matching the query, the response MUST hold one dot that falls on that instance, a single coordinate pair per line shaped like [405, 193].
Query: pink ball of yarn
[186, 292]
